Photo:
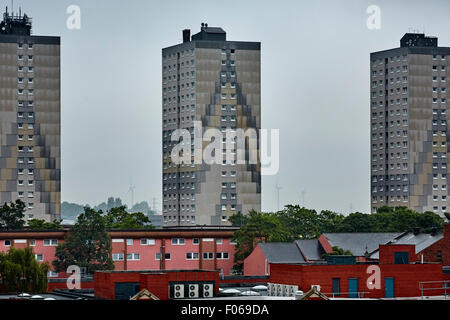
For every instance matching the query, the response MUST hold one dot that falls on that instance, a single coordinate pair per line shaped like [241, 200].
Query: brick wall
[442, 247]
[406, 277]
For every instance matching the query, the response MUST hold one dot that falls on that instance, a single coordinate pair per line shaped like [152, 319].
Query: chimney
[416, 230]
[186, 35]
[433, 231]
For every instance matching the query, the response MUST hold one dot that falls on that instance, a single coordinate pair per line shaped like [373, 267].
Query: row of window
[392, 199]
[129, 242]
[175, 218]
[167, 256]
[174, 55]
[32, 242]
[21, 91]
[173, 197]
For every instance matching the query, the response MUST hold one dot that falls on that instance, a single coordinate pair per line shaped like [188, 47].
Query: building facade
[409, 144]
[162, 249]
[210, 83]
[30, 160]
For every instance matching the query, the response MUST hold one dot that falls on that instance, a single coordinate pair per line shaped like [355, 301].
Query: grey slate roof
[282, 252]
[421, 241]
[357, 242]
[310, 249]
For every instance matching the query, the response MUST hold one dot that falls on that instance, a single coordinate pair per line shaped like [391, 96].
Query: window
[219, 240]
[178, 241]
[196, 241]
[192, 256]
[208, 255]
[222, 255]
[7, 243]
[117, 256]
[133, 256]
[39, 257]
[167, 256]
[50, 242]
[32, 242]
[401, 258]
[129, 242]
[158, 256]
[147, 242]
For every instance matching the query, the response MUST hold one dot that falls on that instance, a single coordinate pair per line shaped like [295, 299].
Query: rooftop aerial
[15, 24]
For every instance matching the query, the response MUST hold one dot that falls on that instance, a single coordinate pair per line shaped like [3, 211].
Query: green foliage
[20, 272]
[119, 218]
[337, 252]
[12, 216]
[238, 219]
[86, 245]
[39, 224]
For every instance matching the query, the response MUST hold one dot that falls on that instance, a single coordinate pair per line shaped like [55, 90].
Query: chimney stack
[433, 231]
[186, 35]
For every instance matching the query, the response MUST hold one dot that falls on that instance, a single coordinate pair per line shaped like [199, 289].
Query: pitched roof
[421, 241]
[282, 252]
[144, 294]
[310, 249]
[358, 242]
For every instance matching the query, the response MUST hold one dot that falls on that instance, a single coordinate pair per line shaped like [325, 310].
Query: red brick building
[429, 247]
[398, 276]
[205, 248]
[164, 284]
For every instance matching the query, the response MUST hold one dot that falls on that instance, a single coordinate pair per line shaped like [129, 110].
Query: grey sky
[315, 88]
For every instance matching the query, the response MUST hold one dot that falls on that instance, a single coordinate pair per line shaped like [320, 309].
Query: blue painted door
[353, 288]
[389, 287]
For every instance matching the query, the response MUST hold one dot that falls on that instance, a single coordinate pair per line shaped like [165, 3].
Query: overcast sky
[315, 88]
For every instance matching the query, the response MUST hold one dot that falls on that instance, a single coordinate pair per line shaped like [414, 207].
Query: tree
[86, 245]
[20, 272]
[260, 227]
[337, 251]
[238, 219]
[302, 223]
[39, 224]
[12, 216]
[119, 218]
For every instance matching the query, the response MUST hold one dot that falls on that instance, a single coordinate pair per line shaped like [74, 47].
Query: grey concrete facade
[409, 115]
[30, 161]
[216, 83]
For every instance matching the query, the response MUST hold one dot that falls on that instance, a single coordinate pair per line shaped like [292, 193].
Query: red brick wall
[63, 285]
[406, 277]
[156, 283]
[255, 264]
[430, 254]
[386, 252]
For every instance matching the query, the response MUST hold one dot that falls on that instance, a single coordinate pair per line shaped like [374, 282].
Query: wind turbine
[131, 189]
[278, 188]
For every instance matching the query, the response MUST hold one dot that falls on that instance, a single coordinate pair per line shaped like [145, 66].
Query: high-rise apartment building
[409, 116]
[217, 84]
[30, 159]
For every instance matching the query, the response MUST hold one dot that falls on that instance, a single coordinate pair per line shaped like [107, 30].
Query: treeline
[72, 210]
[12, 217]
[295, 222]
